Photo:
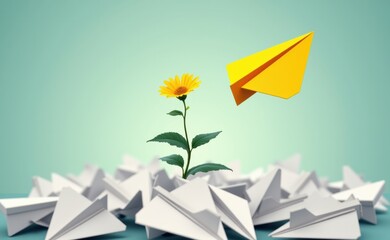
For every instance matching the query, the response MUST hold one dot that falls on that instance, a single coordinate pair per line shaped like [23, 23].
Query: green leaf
[175, 113]
[206, 167]
[171, 138]
[174, 159]
[201, 139]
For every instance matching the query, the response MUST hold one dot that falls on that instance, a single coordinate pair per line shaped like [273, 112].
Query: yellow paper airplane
[277, 71]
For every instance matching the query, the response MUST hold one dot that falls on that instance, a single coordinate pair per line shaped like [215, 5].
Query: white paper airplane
[267, 187]
[295, 182]
[293, 163]
[323, 218]
[239, 189]
[162, 179]
[45, 221]
[123, 172]
[234, 212]
[272, 212]
[131, 166]
[288, 178]
[41, 188]
[177, 212]
[179, 181]
[335, 187]
[184, 217]
[368, 195]
[129, 196]
[256, 175]
[307, 183]
[265, 201]
[77, 217]
[23, 212]
[154, 166]
[59, 182]
[91, 179]
[353, 180]
[290, 171]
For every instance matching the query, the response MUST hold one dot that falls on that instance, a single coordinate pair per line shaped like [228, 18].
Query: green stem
[188, 143]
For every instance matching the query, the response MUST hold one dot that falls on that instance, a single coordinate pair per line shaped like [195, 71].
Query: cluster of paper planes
[203, 206]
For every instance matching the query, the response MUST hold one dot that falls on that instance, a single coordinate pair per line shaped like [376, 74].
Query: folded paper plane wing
[77, 217]
[271, 211]
[22, 212]
[335, 187]
[59, 182]
[162, 179]
[169, 213]
[306, 183]
[234, 212]
[239, 189]
[268, 187]
[265, 201]
[322, 218]
[353, 180]
[277, 71]
[329, 229]
[91, 179]
[130, 195]
[368, 195]
[41, 188]
[125, 171]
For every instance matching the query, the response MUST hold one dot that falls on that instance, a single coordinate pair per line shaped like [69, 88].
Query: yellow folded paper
[277, 71]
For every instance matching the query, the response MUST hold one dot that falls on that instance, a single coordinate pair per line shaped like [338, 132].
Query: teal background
[79, 83]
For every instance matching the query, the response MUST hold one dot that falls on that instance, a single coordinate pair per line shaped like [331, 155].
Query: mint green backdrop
[79, 83]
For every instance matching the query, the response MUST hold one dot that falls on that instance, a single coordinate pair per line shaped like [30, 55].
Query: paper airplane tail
[239, 93]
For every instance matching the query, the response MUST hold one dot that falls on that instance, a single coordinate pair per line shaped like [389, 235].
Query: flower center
[180, 90]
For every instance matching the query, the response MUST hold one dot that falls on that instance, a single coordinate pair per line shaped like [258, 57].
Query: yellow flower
[177, 87]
